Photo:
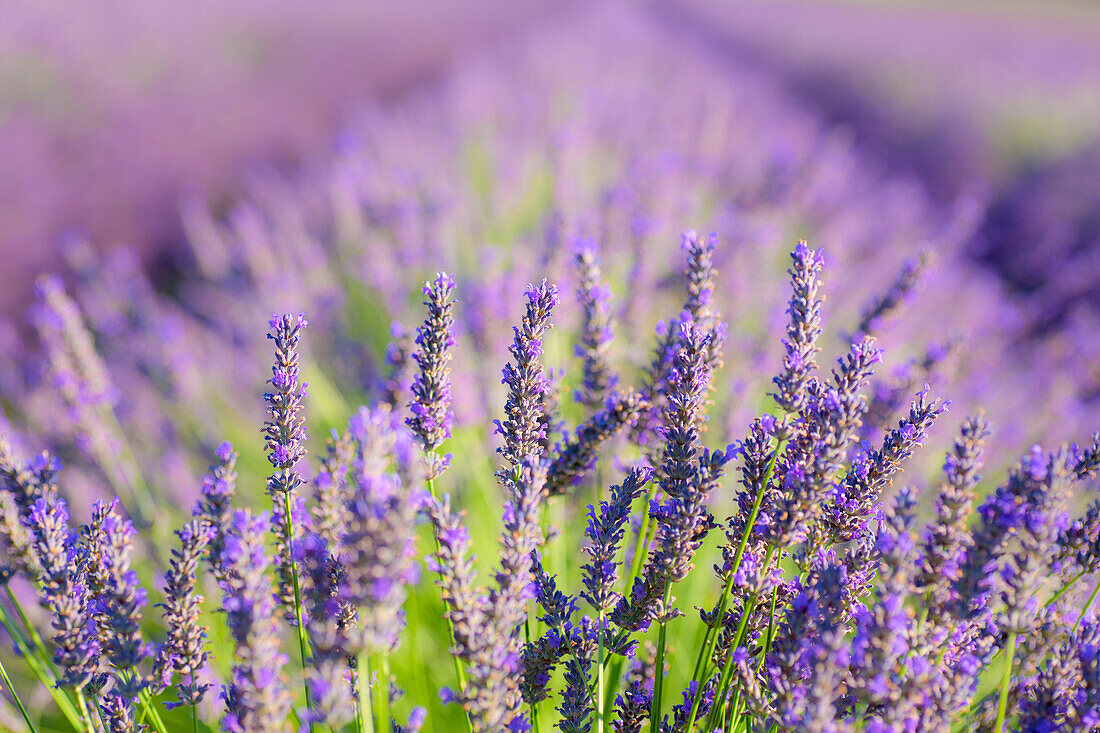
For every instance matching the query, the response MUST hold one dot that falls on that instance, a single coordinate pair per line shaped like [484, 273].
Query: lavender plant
[731, 526]
[835, 608]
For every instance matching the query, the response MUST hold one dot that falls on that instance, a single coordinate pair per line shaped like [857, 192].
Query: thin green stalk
[35, 638]
[727, 667]
[15, 696]
[659, 664]
[151, 712]
[1006, 681]
[459, 673]
[84, 714]
[1088, 603]
[419, 677]
[195, 718]
[738, 639]
[711, 633]
[644, 538]
[303, 645]
[381, 700]
[34, 656]
[599, 674]
[771, 628]
[359, 728]
[1064, 589]
[711, 637]
[365, 713]
[613, 675]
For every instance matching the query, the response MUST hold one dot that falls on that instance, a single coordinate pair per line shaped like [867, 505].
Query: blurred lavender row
[999, 99]
[109, 112]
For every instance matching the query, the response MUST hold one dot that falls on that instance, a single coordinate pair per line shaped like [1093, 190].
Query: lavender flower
[16, 538]
[397, 387]
[575, 455]
[1086, 701]
[215, 504]
[256, 698]
[1047, 484]
[285, 433]
[184, 651]
[525, 377]
[880, 641]
[78, 370]
[802, 331]
[331, 490]
[875, 313]
[872, 471]
[332, 690]
[632, 706]
[377, 551]
[605, 531]
[119, 610]
[947, 534]
[558, 610]
[432, 415]
[594, 297]
[682, 519]
[700, 274]
[64, 593]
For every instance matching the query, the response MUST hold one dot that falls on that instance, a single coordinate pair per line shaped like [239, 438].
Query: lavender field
[596, 369]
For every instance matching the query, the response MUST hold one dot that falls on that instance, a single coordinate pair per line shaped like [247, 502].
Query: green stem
[711, 637]
[1088, 603]
[365, 694]
[84, 714]
[359, 728]
[459, 673]
[1006, 680]
[659, 663]
[738, 639]
[419, 677]
[195, 718]
[35, 638]
[381, 698]
[599, 674]
[1064, 589]
[151, 711]
[15, 696]
[727, 667]
[34, 655]
[640, 546]
[769, 637]
[298, 619]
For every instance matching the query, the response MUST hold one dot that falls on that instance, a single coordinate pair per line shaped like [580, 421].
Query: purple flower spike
[256, 698]
[432, 416]
[594, 297]
[285, 436]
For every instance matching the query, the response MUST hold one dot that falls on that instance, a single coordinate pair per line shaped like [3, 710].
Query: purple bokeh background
[111, 113]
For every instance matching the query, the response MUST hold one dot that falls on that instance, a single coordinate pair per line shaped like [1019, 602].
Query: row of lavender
[837, 608]
[501, 176]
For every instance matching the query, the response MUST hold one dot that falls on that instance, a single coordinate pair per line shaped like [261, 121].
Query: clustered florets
[839, 608]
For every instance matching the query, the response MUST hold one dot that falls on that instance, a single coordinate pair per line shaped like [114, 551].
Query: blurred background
[112, 114]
